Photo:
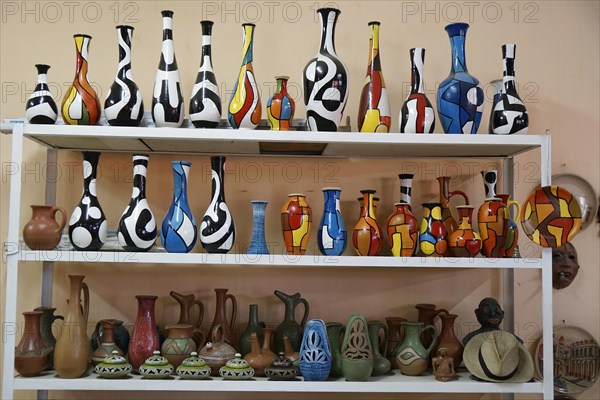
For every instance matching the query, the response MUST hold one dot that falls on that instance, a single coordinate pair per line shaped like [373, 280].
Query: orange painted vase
[432, 234]
[367, 238]
[403, 231]
[464, 242]
[296, 221]
[493, 227]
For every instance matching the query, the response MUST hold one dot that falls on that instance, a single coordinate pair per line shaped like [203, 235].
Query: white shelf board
[396, 383]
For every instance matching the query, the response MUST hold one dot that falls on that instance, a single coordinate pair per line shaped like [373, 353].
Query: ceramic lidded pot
[156, 367]
[42, 232]
[217, 352]
[236, 369]
[113, 367]
[281, 369]
[193, 367]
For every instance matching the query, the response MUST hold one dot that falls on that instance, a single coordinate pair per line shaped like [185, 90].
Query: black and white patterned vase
[124, 105]
[167, 100]
[88, 227]
[137, 227]
[41, 107]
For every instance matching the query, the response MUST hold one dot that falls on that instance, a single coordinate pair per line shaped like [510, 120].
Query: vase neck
[444, 182]
[218, 178]
[140, 167]
[282, 86]
[328, 18]
[458, 33]
[406, 188]
[417, 61]
[76, 282]
[247, 49]
[253, 315]
[374, 59]
[465, 215]
[42, 79]
[82, 43]
[181, 171]
[33, 321]
[124, 34]
[368, 209]
[168, 50]
[167, 26]
[508, 54]
[90, 169]
[332, 199]
[108, 334]
[146, 307]
[267, 339]
[206, 45]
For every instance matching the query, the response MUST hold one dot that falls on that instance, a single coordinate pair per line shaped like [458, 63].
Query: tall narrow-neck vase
[459, 97]
[326, 85]
[41, 107]
[332, 237]
[124, 105]
[205, 104]
[144, 339]
[374, 108]
[281, 106]
[258, 245]
[178, 231]
[245, 108]
[81, 105]
[416, 114]
[367, 237]
[167, 100]
[228, 324]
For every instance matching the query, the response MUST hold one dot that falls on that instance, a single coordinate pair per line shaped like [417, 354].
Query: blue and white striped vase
[178, 232]
[258, 245]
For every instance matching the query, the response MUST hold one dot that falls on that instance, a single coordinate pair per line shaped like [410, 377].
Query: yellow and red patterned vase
[403, 231]
[244, 106]
[374, 113]
[81, 105]
[296, 221]
[512, 235]
[493, 227]
[367, 237]
[281, 106]
[433, 237]
[464, 242]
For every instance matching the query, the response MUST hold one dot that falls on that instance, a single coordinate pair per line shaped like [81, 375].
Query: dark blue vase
[315, 353]
[178, 232]
[332, 238]
[459, 97]
[258, 245]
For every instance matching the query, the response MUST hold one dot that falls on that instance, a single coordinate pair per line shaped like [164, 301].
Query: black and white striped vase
[137, 227]
[41, 107]
[124, 105]
[205, 103]
[167, 100]
[217, 229]
[88, 227]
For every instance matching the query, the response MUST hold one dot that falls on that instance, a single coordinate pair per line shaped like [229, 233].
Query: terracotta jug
[381, 365]
[289, 327]
[48, 319]
[72, 351]
[413, 356]
[31, 356]
[186, 303]
[445, 196]
[254, 326]
[493, 227]
[427, 314]
[260, 358]
[395, 338]
[221, 315]
[107, 345]
[217, 352]
[447, 339]
[42, 232]
[512, 234]
[179, 344]
[144, 340]
[334, 331]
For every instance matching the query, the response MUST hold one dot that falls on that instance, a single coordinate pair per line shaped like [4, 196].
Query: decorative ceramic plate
[576, 359]
[551, 216]
[583, 192]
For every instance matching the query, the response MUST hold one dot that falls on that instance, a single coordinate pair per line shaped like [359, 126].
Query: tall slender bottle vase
[281, 106]
[245, 108]
[167, 100]
[367, 237]
[178, 231]
[81, 105]
[124, 105]
[137, 227]
[217, 229]
[205, 104]
[258, 245]
[374, 113]
[416, 114]
[332, 236]
[144, 339]
[41, 107]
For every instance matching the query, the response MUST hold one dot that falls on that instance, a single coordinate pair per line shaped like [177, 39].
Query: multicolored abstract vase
[464, 242]
[315, 354]
[124, 105]
[412, 356]
[281, 106]
[41, 107]
[366, 237]
[374, 108]
[459, 97]
[403, 231]
[178, 231]
[144, 339]
[493, 227]
[432, 234]
[81, 105]
[326, 85]
[357, 350]
[445, 196]
[296, 221]
[245, 108]
[490, 179]
[217, 229]
[167, 100]
[509, 114]
[512, 235]
[258, 245]
[416, 114]
[205, 103]
[497, 86]
[332, 237]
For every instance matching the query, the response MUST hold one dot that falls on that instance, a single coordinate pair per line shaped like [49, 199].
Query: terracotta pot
[217, 352]
[31, 357]
[144, 340]
[186, 303]
[179, 344]
[289, 352]
[427, 314]
[447, 339]
[260, 358]
[42, 232]
[228, 326]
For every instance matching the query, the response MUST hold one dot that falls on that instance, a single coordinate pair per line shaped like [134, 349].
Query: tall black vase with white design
[509, 115]
[167, 100]
[124, 105]
[416, 113]
[326, 85]
[217, 229]
[205, 104]
[88, 227]
[41, 107]
[137, 227]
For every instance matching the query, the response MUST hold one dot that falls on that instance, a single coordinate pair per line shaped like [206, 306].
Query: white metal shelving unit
[260, 143]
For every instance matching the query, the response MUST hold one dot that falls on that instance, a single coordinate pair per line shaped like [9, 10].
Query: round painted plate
[551, 216]
[583, 192]
[576, 359]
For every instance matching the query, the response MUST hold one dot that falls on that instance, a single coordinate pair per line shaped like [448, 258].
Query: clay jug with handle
[427, 314]
[289, 327]
[445, 195]
[48, 319]
[221, 315]
[72, 351]
[42, 232]
[186, 303]
[413, 356]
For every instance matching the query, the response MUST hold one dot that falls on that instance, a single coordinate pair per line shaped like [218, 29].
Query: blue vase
[258, 245]
[315, 354]
[178, 233]
[459, 97]
[332, 238]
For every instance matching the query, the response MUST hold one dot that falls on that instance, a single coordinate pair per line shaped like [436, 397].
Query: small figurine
[564, 266]
[443, 366]
[490, 316]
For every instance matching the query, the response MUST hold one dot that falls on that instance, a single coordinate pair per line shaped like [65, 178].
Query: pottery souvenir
[144, 339]
[367, 236]
[489, 315]
[357, 350]
[335, 335]
[433, 237]
[43, 232]
[296, 222]
[179, 344]
[156, 367]
[493, 227]
[193, 367]
[290, 353]
[178, 231]
[31, 356]
[281, 369]
[236, 369]
[443, 366]
[281, 106]
[113, 367]
[254, 326]
[512, 234]
[565, 266]
[216, 352]
[412, 356]
[490, 180]
[227, 324]
[107, 345]
[41, 107]
[445, 196]
[402, 231]
[447, 339]
[497, 86]
[186, 303]
[416, 114]
[258, 244]
[315, 354]
[332, 236]
[427, 314]
[289, 327]
[120, 333]
[47, 320]
[464, 242]
[381, 365]
[259, 357]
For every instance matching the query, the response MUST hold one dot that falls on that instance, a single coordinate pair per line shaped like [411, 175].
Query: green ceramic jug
[412, 356]
[289, 327]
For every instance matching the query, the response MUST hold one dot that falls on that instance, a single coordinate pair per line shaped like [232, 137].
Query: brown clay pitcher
[228, 326]
[260, 358]
[186, 303]
[445, 195]
[447, 339]
[31, 356]
[72, 351]
[427, 314]
[217, 352]
[42, 232]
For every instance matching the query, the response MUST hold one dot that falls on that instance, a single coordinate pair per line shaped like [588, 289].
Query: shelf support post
[48, 266]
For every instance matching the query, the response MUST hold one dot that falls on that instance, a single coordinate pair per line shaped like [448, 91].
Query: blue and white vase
[315, 353]
[258, 245]
[41, 107]
[137, 227]
[87, 226]
[332, 237]
[217, 229]
[178, 232]
[459, 97]
[167, 100]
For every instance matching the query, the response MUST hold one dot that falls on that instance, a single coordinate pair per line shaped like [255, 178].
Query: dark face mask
[564, 266]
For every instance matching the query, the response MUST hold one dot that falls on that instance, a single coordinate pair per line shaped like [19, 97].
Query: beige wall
[557, 70]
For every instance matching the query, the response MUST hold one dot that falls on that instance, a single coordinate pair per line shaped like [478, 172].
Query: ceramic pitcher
[42, 232]
[48, 319]
[187, 302]
[221, 319]
[412, 356]
[289, 327]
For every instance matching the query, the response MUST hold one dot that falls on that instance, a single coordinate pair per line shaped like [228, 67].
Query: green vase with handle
[412, 356]
[289, 327]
